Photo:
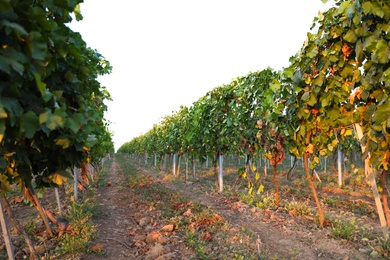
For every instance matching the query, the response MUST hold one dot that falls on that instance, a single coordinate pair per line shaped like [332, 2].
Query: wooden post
[193, 167]
[220, 175]
[339, 167]
[6, 235]
[186, 168]
[58, 201]
[325, 164]
[76, 183]
[174, 165]
[370, 172]
[32, 196]
[30, 244]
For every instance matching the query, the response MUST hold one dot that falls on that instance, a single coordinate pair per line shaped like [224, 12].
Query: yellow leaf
[257, 176]
[308, 80]
[253, 168]
[3, 114]
[11, 172]
[63, 142]
[348, 132]
[57, 178]
[260, 189]
[9, 154]
[5, 185]
[310, 148]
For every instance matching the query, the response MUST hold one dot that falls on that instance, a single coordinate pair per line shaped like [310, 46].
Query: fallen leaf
[206, 236]
[155, 251]
[187, 213]
[154, 237]
[168, 228]
[97, 247]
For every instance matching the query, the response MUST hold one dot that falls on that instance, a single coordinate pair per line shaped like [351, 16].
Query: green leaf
[386, 75]
[41, 85]
[382, 51]
[30, 124]
[305, 96]
[13, 108]
[275, 86]
[346, 8]
[298, 77]
[8, 61]
[15, 26]
[77, 13]
[382, 113]
[36, 46]
[367, 7]
[377, 9]
[52, 121]
[326, 99]
[334, 114]
[76, 122]
[312, 100]
[347, 71]
[370, 43]
[350, 36]
[319, 80]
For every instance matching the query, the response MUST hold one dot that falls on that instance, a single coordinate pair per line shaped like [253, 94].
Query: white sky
[170, 53]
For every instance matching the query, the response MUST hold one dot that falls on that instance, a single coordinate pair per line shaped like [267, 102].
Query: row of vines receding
[51, 103]
[334, 92]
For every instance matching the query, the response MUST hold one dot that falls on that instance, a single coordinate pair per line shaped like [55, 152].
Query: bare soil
[282, 236]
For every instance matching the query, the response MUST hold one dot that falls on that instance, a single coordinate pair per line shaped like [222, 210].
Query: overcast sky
[170, 53]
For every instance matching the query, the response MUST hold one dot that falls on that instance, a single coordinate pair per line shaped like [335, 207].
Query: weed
[385, 247]
[366, 233]
[83, 230]
[298, 208]
[30, 226]
[344, 229]
[332, 201]
[266, 202]
[192, 240]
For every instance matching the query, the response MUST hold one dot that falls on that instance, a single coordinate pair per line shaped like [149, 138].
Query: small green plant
[332, 201]
[82, 229]
[299, 208]
[31, 226]
[265, 201]
[192, 240]
[385, 247]
[344, 229]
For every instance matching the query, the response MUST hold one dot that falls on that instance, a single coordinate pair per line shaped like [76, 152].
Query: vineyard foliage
[338, 80]
[51, 104]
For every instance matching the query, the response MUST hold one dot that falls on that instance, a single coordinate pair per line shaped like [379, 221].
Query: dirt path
[115, 217]
[280, 234]
[126, 228]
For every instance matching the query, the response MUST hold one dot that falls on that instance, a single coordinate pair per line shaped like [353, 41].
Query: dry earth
[128, 230]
